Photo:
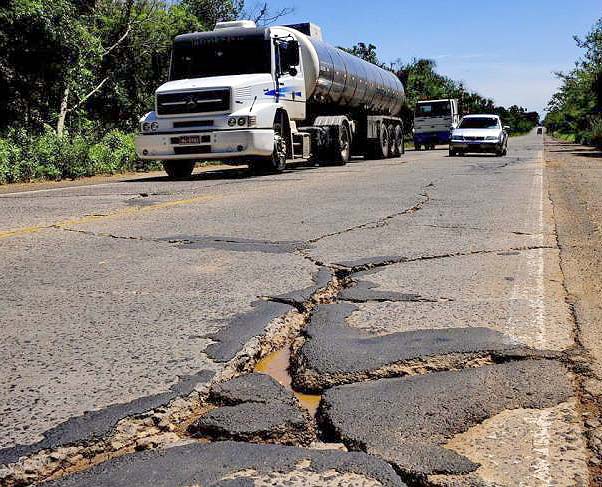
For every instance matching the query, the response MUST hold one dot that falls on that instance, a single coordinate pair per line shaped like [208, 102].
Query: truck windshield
[220, 57]
[479, 123]
[434, 109]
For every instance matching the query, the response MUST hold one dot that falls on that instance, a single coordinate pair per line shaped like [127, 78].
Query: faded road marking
[134, 210]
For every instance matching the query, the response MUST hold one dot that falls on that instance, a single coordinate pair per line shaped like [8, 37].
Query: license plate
[189, 139]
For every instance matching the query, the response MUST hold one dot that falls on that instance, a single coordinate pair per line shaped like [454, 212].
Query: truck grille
[193, 102]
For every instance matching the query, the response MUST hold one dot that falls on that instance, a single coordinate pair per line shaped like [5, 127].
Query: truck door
[289, 75]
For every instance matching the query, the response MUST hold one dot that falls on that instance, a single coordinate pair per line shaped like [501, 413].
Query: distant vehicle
[539, 130]
[433, 122]
[479, 133]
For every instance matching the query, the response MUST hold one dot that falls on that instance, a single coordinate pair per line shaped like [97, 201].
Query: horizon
[505, 65]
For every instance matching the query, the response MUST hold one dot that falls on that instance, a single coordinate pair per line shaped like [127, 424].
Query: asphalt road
[118, 297]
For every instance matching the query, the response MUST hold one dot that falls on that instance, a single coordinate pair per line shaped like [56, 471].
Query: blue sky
[505, 50]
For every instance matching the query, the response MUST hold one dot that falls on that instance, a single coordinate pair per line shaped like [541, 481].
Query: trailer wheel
[398, 143]
[343, 146]
[380, 148]
[178, 169]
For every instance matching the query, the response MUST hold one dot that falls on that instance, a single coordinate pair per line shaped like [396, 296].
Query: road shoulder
[575, 182]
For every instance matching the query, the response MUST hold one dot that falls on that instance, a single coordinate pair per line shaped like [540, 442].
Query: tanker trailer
[267, 96]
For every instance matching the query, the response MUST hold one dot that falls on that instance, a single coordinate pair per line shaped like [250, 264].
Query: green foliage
[576, 109]
[94, 64]
[24, 157]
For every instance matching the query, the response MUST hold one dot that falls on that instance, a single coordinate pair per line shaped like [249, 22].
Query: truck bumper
[222, 144]
[423, 138]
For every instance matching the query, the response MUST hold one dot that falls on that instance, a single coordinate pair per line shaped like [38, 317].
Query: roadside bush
[25, 157]
[595, 135]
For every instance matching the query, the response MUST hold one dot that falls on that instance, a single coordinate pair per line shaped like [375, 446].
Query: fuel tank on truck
[335, 77]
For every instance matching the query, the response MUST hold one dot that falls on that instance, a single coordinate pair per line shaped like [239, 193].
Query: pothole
[276, 365]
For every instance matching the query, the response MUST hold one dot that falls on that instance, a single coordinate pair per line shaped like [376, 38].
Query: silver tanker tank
[333, 76]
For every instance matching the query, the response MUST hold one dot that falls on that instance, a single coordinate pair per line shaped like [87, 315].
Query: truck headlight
[242, 121]
[232, 122]
[155, 126]
[492, 137]
[458, 137]
[146, 127]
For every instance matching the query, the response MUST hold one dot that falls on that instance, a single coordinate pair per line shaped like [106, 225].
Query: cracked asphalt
[424, 297]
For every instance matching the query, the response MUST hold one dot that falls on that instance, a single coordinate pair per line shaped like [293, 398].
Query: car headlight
[492, 137]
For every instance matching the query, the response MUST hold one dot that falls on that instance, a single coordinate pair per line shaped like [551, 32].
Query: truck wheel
[398, 143]
[342, 150]
[178, 169]
[452, 153]
[276, 163]
[382, 145]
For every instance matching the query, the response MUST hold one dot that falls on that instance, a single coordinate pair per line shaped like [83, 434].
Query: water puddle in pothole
[276, 366]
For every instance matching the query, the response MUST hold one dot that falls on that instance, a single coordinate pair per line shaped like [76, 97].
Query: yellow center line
[122, 212]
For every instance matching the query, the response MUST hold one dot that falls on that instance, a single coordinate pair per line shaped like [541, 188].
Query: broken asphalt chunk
[335, 353]
[240, 464]
[407, 421]
[258, 409]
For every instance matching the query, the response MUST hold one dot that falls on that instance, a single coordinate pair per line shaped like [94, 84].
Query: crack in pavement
[202, 242]
[480, 229]
[380, 222]
[94, 425]
[362, 265]
[366, 291]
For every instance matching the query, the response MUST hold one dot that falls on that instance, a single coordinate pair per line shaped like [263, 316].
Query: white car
[479, 133]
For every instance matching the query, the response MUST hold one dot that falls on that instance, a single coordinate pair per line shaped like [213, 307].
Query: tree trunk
[60, 126]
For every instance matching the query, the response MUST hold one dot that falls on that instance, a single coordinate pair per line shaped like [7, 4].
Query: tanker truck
[263, 97]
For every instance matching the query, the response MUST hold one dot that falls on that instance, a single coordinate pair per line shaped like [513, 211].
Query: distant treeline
[575, 111]
[422, 82]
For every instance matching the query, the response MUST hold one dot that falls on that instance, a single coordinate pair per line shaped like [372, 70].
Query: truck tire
[398, 142]
[276, 163]
[342, 150]
[178, 169]
[380, 148]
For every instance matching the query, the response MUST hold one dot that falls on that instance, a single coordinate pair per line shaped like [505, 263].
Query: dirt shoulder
[100, 179]
[575, 182]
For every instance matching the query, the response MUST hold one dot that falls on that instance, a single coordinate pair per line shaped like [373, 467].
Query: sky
[506, 50]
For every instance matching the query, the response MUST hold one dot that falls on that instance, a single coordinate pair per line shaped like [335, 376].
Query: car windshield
[220, 57]
[433, 109]
[479, 123]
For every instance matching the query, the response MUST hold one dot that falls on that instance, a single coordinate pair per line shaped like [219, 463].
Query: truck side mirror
[293, 56]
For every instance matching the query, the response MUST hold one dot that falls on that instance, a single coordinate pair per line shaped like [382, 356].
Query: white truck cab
[433, 122]
[262, 96]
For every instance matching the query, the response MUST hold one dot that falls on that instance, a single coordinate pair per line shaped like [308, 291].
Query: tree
[575, 109]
